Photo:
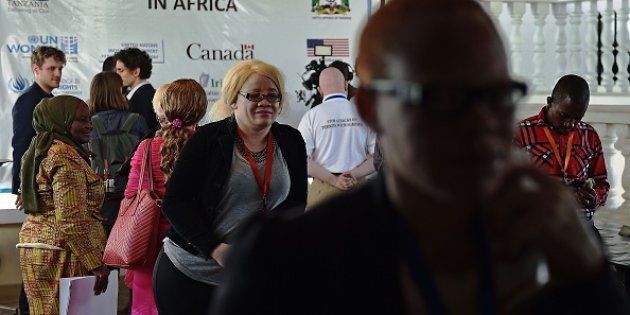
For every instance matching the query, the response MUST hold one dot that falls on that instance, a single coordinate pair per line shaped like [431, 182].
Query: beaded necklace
[259, 156]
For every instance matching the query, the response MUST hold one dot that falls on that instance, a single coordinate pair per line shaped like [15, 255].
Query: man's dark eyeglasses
[503, 95]
[258, 97]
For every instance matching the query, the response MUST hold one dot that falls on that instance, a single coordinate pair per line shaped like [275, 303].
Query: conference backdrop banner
[198, 39]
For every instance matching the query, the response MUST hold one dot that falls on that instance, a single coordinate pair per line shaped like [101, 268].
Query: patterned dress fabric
[587, 159]
[65, 239]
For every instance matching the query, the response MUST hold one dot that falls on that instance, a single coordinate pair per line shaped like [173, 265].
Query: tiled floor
[8, 298]
[620, 216]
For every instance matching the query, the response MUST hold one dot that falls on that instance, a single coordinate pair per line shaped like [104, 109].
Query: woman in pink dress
[183, 104]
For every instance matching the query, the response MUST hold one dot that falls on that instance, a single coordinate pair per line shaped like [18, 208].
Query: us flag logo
[340, 46]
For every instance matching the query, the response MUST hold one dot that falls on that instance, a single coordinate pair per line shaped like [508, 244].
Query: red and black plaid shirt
[587, 159]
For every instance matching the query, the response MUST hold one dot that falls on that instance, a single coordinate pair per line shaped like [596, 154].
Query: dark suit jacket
[23, 131]
[341, 258]
[196, 185]
[141, 103]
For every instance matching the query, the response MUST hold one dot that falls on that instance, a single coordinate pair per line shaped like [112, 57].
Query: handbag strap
[146, 160]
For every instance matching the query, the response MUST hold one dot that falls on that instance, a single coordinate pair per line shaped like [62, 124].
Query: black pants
[175, 293]
[23, 306]
[109, 211]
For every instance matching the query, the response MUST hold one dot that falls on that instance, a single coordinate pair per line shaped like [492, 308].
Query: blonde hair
[234, 80]
[184, 99]
[106, 93]
[157, 97]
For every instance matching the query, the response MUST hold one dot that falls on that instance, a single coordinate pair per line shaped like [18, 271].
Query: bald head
[331, 81]
[436, 40]
[426, 56]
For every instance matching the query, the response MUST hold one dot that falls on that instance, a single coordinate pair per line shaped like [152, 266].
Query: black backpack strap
[99, 126]
[129, 122]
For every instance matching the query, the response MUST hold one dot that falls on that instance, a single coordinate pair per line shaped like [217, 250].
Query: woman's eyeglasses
[258, 97]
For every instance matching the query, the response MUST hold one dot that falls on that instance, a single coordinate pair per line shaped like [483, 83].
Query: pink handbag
[134, 234]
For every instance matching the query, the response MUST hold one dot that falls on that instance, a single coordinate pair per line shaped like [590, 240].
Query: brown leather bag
[134, 234]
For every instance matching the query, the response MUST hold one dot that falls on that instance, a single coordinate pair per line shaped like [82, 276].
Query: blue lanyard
[424, 281]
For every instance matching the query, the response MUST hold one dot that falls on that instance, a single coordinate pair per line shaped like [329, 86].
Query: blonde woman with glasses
[244, 164]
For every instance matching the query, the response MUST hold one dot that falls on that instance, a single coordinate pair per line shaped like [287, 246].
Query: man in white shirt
[339, 145]
[134, 67]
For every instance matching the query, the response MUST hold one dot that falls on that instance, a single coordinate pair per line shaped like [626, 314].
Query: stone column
[623, 58]
[615, 161]
[590, 43]
[559, 11]
[516, 10]
[575, 40]
[607, 48]
[540, 11]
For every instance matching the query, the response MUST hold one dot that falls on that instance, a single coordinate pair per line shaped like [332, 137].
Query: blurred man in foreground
[452, 226]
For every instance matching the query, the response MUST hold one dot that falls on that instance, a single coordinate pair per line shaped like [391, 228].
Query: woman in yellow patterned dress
[62, 235]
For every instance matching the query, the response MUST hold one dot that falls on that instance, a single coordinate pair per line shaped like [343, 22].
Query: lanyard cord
[425, 282]
[554, 147]
[263, 185]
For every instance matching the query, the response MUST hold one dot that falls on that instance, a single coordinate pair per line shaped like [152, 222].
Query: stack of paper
[76, 296]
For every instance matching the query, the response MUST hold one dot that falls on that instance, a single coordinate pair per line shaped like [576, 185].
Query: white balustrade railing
[590, 47]
[623, 39]
[607, 54]
[517, 10]
[540, 11]
[591, 38]
[575, 48]
[559, 11]
[550, 38]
